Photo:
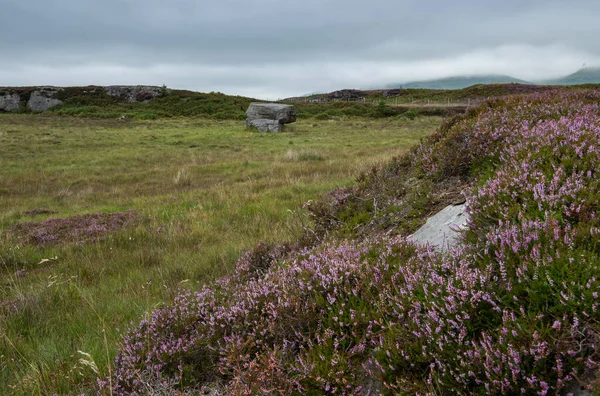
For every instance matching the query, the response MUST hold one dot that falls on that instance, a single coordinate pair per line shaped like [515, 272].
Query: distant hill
[460, 82]
[587, 75]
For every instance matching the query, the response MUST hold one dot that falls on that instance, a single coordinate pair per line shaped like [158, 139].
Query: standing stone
[9, 102]
[283, 113]
[265, 116]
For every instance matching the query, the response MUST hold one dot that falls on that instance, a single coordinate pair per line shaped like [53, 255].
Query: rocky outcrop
[9, 101]
[43, 99]
[346, 95]
[391, 92]
[269, 117]
[137, 93]
[40, 99]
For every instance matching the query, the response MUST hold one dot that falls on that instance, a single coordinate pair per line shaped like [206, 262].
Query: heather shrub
[513, 310]
[291, 317]
[90, 227]
[465, 142]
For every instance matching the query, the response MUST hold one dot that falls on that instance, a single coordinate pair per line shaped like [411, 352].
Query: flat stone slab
[442, 230]
[284, 114]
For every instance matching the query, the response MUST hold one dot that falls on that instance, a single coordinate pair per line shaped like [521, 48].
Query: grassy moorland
[180, 199]
[410, 103]
[514, 310]
[96, 102]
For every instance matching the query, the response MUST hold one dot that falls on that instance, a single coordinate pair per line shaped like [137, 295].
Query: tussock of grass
[182, 178]
[302, 155]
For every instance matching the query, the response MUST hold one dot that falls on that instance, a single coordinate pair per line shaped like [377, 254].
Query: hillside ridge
[586, 75]
[460, 82]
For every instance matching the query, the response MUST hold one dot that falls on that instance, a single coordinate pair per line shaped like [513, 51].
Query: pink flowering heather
[90, 227]
[514, 310]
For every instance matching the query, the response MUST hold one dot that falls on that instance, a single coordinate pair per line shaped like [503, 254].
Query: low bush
[410, 114]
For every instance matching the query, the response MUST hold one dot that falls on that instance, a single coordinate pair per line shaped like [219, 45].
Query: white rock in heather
[442, 231]
[574, 388]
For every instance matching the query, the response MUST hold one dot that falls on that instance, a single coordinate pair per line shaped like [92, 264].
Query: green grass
[203, 191]
[179, 103]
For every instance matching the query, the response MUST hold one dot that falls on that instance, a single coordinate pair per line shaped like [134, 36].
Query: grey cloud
[238, 44]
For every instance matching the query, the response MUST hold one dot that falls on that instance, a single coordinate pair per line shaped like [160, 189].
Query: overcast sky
[272, 49]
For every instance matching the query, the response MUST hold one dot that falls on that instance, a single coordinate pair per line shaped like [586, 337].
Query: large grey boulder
[9, 102]
[265, 125]
[284, 114]
[442, 231]
[43, 99]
